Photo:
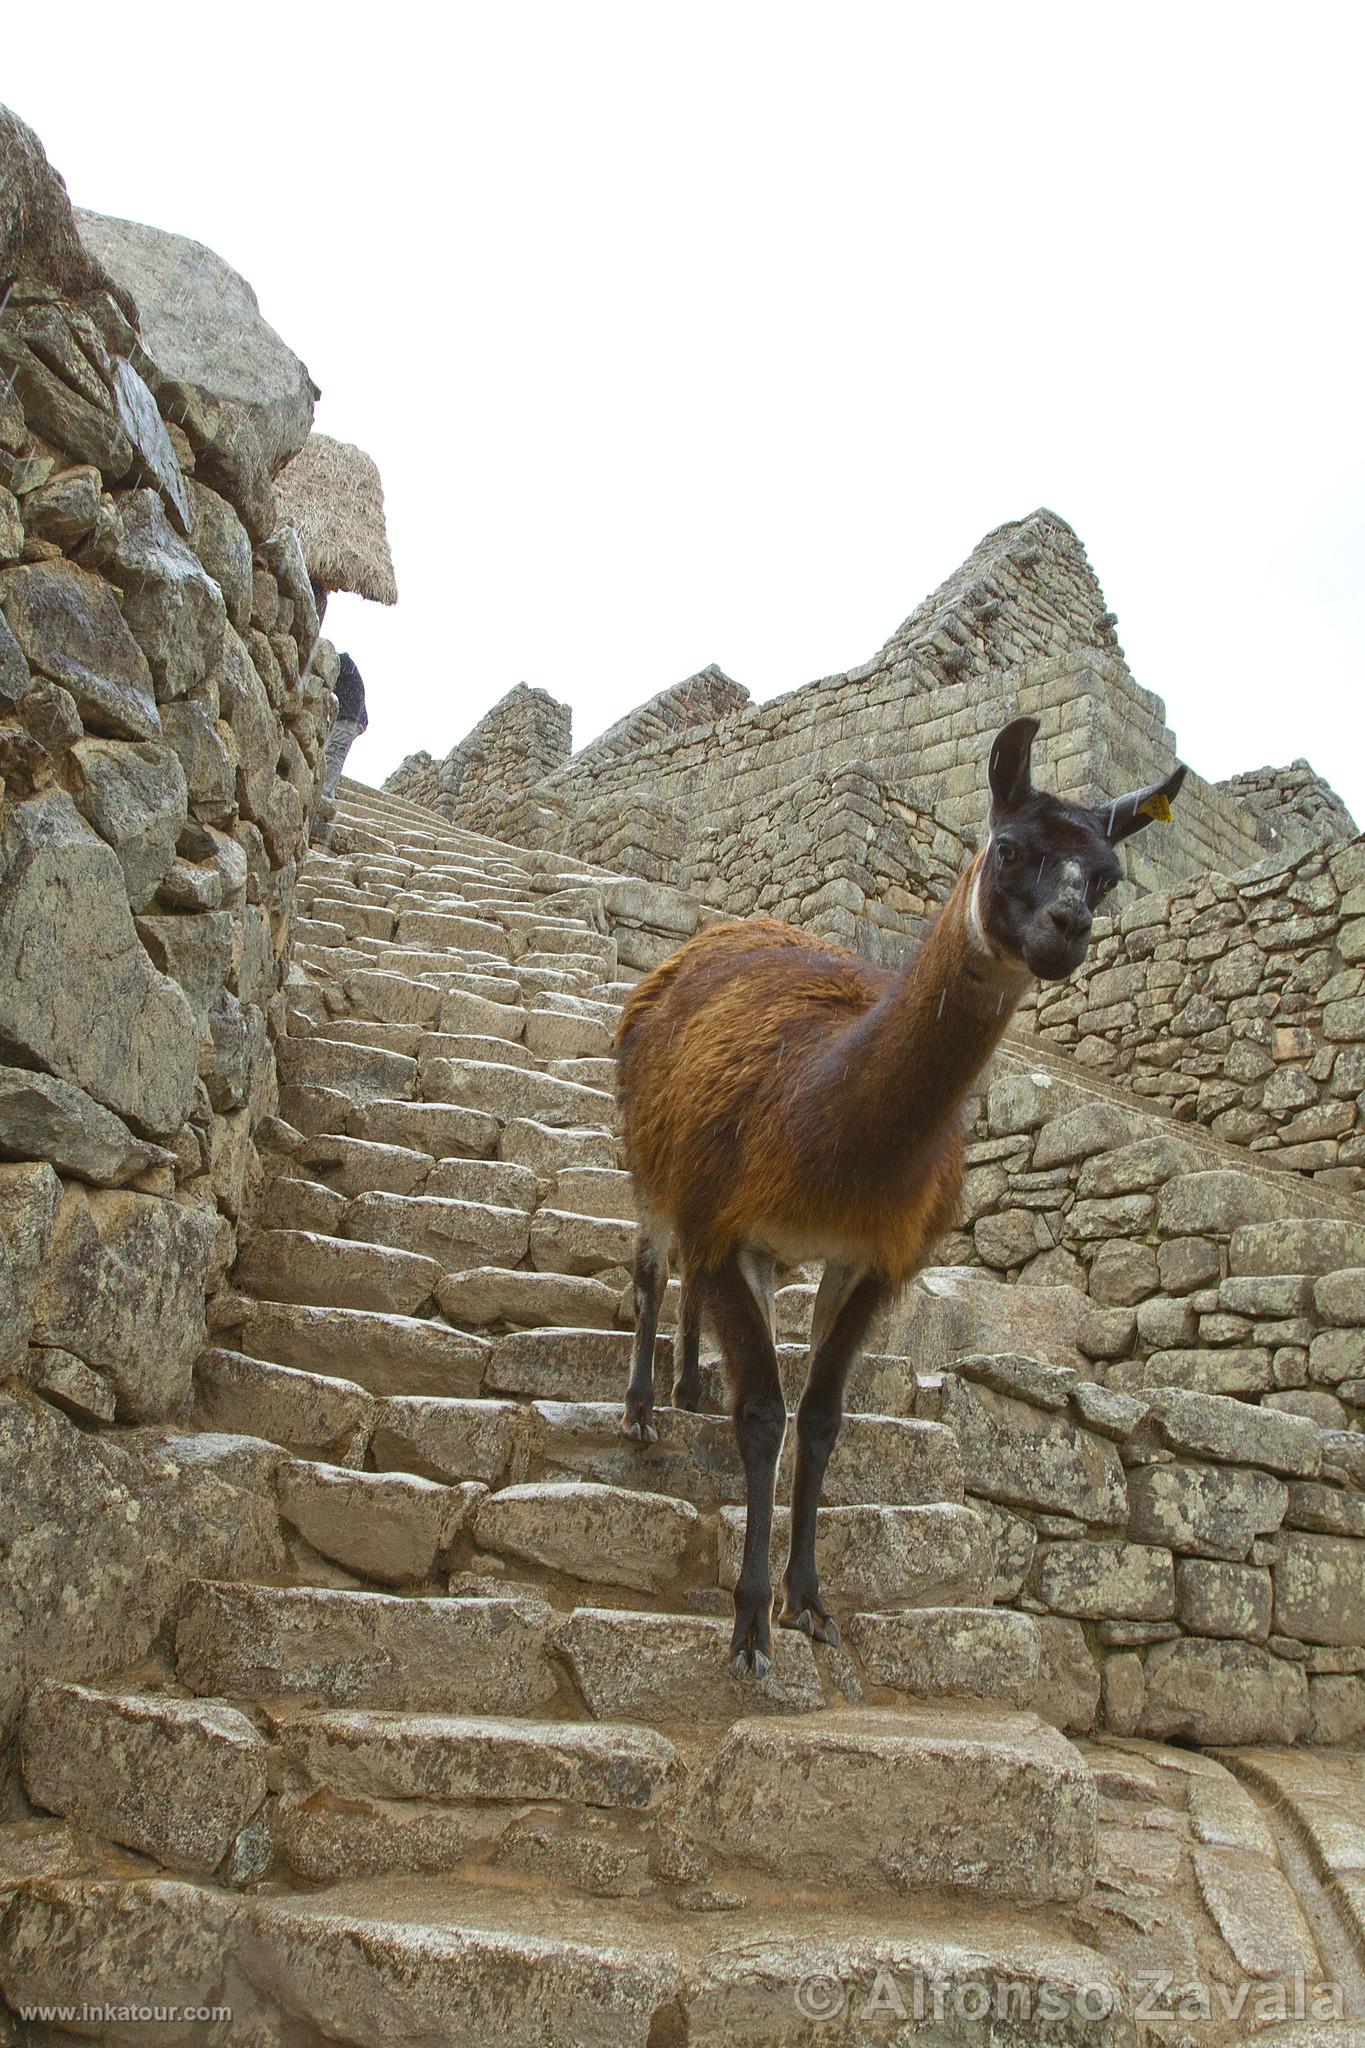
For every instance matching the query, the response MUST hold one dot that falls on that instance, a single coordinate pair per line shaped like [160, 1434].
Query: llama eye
[1006, 852]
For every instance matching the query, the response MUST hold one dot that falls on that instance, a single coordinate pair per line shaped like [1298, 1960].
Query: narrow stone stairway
[466, 1763]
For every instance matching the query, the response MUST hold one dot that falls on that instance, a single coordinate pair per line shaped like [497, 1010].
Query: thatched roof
[331, 492]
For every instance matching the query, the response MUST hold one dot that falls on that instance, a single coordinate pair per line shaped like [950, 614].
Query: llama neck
[923, 1045]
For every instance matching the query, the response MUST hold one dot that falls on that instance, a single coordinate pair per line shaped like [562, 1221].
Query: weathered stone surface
[44, 1118]
[69, 953]
[952, 1310]
[1093, 1580]
[1340, 1297]
[134, 795]
[438, 1757]
[1317, 1244]
[311, 1414]
[1068, 1690]
[176, 1780]
[1017, 1454]
[100, 1535]
[1215, 1203]
[488, 1296]
[1121, 1274]
[1335, 1356]
[171, 604]
[938, 1652]
[1212, 1426]
[387, 1354]
[68, 625]
[1319, 1587]
[201, 321]
[894, 1799]
[674, 1668]
[142, 1945]
[388, 1526]
[608, 1535]
[364, 1649]
[874, 1557]
[1012, 1541]
[300, 1266]
[1217, 1692]
[1207, 1510]
[458, 1235]
[449, 1438]
[1223, 1599]
[1257, 1915]
[123, 1288]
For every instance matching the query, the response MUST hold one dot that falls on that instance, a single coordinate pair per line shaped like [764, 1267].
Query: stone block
[1223, 1599]
[176, 1780]
[1091, 1581]
[1222, 1692]
[1204, 1510]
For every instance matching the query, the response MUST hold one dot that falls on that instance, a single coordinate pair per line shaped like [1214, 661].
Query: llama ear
[1130, 813]
[1008, 772]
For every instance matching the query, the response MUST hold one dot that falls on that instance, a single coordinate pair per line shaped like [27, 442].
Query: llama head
[1049, 864]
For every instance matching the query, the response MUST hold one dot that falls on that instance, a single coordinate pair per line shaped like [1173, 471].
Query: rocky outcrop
[200, 320]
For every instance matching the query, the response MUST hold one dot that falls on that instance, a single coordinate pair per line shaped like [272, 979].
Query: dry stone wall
[1239, 1004]
[1021, 627]
[164, 695]
[1195, 1564]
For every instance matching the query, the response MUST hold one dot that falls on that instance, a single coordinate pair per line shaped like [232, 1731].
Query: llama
[783, 1100]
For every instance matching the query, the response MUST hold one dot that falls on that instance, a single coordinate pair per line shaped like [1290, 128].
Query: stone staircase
[468, 1765]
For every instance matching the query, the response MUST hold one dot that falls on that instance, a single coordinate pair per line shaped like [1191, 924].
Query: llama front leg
[844, 1306]
[651, 1277]
[739, 1297]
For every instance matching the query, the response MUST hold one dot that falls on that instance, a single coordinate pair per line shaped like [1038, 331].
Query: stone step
[563, 1242]
[384, 1354]
[359, 1649]
[386, 1963]
[587, 1073]
[604, 1535]
[960, 1799]
[364, 1794]
[878, 1460]
[547, 1149]
[510, 1093]
[442, 1130]
[356, 1070]
[554, 1034]
[489, 1298]
[458, 1235]
[606, 1191]
[673, 1669]
[310, 1413]
[357, 1166]
[337, 1272]
[391, 1527]
[873, 1557]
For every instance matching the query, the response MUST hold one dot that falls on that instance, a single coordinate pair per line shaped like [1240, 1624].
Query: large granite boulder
[201, 322]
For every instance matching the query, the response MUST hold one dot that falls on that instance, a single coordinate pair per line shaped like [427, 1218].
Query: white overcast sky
[702, 332]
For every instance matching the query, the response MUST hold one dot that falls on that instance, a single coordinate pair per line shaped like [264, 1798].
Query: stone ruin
[358, 1683]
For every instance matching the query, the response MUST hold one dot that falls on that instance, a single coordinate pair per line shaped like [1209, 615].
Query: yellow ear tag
[1157, 807]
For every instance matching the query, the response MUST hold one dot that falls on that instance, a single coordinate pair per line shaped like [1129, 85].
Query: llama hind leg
[651, 1277]
[687, 1348]
[739, 1301]
[845, 1305]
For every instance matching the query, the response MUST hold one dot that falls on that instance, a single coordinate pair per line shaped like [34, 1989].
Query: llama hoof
[687, 1397]
[747, 1662]
[812, 1622]
[638, 1423]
